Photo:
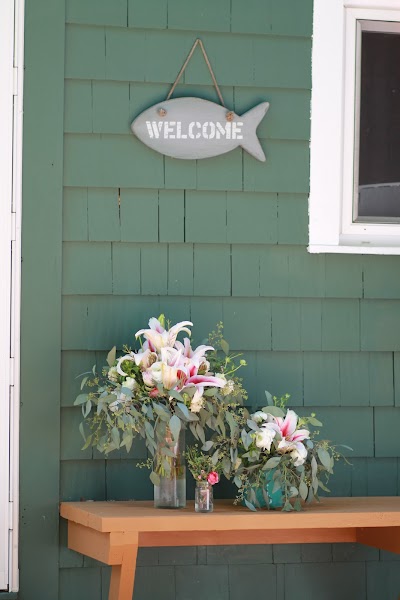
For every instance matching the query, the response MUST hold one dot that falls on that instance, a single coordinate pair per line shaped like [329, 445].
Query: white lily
[130, 357]
[130, 383]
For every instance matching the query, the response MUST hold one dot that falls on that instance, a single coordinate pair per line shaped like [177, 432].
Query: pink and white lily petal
[299, 454]
[156, 340]
[158, 337]
[291, 446]
[148, 378]
[171, 356]
[185, 347]
[145, 358]
[196, 355]
[156, 325]
[288, 424]
[173, 332]
[204, 380]
[169, 376]
[300, 434]
[199, 354]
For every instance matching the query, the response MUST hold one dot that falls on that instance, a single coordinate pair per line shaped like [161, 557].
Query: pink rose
[213, 478]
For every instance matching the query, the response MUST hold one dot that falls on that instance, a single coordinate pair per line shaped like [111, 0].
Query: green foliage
[200, 464]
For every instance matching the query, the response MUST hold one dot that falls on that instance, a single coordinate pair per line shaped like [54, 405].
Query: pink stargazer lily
[197, 355]
[291, 438]
[191, 378]
[158, 337]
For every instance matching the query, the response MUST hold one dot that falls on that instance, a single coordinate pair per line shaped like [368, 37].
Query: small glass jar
[203, 499]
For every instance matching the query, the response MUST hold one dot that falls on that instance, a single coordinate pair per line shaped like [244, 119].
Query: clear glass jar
[203, 499]
[170, 468]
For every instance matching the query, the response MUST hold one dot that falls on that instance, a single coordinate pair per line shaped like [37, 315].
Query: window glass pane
[379, 151]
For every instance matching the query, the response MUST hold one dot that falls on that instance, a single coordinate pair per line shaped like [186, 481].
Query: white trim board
[11, 77]
[334, 118]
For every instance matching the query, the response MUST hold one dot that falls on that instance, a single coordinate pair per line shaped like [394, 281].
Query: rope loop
[198, 42]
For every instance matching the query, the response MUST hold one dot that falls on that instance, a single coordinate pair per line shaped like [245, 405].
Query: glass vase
[170, 468]
[203, 498]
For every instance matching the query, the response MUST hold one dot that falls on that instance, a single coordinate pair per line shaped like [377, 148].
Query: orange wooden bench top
[112, 531]
[330, 513]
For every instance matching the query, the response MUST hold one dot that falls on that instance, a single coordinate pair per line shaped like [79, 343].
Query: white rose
[129, 383]
[264, 437]
[259, 416]
[155, 371]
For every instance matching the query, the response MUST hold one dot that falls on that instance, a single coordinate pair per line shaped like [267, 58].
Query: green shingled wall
[217, 239]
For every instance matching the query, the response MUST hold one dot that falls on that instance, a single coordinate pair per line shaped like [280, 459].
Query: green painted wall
[115, 233]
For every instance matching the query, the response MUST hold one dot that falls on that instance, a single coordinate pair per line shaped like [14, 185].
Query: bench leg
[123, 575]
[384, 538]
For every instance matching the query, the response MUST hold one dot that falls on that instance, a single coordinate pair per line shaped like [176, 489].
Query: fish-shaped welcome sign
[192, 128]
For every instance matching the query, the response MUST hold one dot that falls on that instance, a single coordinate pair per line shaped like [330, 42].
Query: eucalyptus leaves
[159, 390]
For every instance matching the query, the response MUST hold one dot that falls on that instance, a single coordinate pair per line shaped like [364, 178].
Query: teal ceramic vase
[275, 498]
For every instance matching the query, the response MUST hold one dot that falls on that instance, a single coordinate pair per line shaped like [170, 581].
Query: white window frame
[11, 113]
[334, 129]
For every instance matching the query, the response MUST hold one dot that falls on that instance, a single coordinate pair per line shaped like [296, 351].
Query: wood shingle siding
[135, 233]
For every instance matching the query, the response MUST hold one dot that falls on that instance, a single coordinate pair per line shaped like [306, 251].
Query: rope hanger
[185, 64]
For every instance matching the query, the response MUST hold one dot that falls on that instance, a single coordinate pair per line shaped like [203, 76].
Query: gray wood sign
[191, 128]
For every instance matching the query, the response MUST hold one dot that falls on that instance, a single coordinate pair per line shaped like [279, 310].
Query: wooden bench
[111, 532]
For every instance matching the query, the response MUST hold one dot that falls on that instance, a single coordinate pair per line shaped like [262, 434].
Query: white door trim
[11, 115]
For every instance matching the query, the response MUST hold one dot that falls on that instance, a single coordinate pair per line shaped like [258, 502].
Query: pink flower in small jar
[213, 478]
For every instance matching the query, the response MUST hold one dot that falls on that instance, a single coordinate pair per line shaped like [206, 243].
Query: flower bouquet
[157, 392]
[280, 460]
[205, 470]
